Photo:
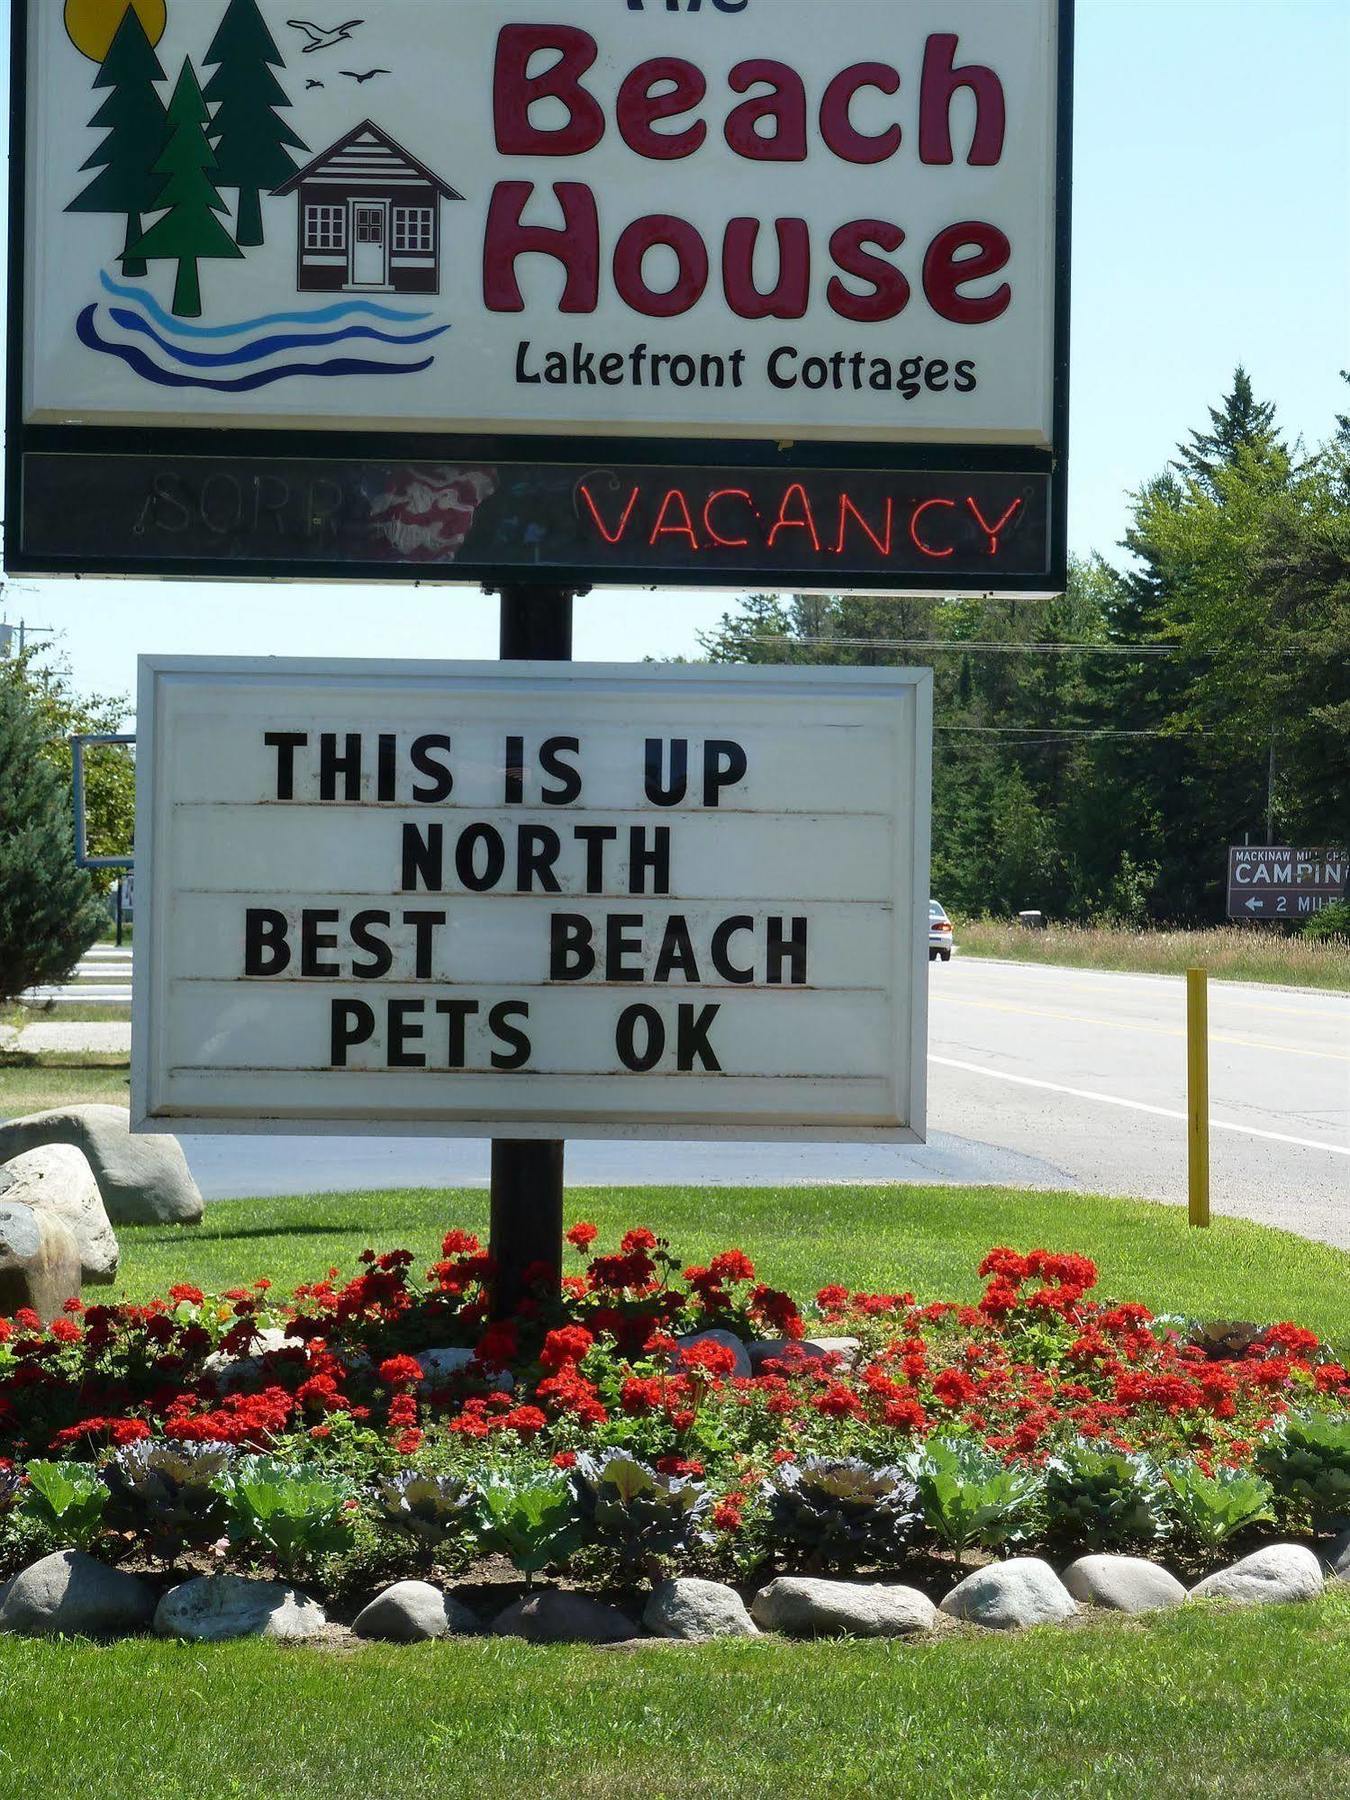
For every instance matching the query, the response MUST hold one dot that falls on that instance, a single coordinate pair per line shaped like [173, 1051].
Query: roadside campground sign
[531, 900]
[565, 291]
[1272, 881]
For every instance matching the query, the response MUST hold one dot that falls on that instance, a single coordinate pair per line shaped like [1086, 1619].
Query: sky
[1211, 227]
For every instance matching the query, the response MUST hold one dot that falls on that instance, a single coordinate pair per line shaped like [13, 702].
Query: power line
[1054, 732]
[1055, 649]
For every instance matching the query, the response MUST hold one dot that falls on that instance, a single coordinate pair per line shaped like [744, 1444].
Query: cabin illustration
[369, 218]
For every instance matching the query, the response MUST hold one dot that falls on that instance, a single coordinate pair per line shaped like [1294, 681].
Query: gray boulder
[804, 1606]
[1008, 1595]
[764, 1350]
[39, 1262]
[1280, 1572]
[1124, 1583]
[412, 1612]
[143, 1180]
[211, 1608]
[1336, 1556]
[718, 1336]
[556, 1617]
[77, 1596]
[229, 1371]
[697, 1610]
[57, 1179]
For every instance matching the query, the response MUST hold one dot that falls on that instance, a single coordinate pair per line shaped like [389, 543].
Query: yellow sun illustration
[91, 25]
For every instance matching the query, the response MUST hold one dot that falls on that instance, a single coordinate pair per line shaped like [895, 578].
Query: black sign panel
[1277, 881]
[477, 520]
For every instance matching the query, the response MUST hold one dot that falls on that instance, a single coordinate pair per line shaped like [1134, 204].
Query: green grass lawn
[33, 1083]
[892, 1238]
[1197, 1703]
[1229, 952]
[1203, 1703]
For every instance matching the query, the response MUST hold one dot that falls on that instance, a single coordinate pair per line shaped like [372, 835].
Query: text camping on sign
[607, 289]
[531, 900]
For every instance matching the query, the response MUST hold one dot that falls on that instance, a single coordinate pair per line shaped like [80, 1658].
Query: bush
[1331, 923]
[532, 1519]
[437, 1512]
[1307, 1462]
[50, 912]
[68, 1498]
[842, 1511]
[1206, 1510]
[968, 1497]
[170, 1495]
[637, 1513]
[1103, 1498]
[290, 1516]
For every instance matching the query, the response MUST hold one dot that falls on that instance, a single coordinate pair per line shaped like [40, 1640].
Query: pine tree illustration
[189, 228]
[133, 115]
[251, 141]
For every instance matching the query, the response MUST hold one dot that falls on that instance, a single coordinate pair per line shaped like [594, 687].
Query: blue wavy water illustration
[323, 315]
[136, 359]
[267, 346]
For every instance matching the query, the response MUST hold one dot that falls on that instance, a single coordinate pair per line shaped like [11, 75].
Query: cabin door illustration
[370, 243]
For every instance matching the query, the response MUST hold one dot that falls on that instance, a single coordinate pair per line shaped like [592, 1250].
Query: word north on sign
[472, 254]
[532, 901]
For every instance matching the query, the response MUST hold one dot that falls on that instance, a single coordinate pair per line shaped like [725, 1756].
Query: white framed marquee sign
[532, 900]
[589, 291]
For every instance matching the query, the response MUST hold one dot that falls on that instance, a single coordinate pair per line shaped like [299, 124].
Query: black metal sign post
[527, 1173]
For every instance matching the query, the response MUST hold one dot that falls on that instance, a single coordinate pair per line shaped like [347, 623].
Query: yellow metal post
[1197, 1093]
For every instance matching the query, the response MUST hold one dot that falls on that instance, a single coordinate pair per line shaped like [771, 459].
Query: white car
[941, 938]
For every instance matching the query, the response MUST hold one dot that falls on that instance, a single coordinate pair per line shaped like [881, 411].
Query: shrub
[289, 1515]
[1307, 1462]
[636, 1512]
[10, 1480]
[842, 1511]
[532, 1519]
[1103, 1498]
[1206, 1510]
[170, 1495]
[435, 1511]
[68, 1498]
[969, 1497]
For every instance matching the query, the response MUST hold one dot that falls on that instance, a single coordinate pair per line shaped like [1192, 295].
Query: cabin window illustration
[369, 218]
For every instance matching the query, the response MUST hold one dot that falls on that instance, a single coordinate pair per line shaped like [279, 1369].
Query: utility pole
[1270, 794]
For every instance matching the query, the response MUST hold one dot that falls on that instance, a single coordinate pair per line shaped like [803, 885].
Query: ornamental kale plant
[68, 1498]
[288, 1515]
[842, 1511]
[636, 1512]
[1103, 1498]
[435, 1511]
[532, 1519]
[1307, 1462]
[1206, 1510]
[171, 1495]
[969, 1497]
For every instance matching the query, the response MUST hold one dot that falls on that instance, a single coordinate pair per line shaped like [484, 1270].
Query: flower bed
[382, 1423]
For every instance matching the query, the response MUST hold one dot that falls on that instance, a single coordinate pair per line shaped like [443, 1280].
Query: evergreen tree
[189, 228]
[49, 910]
[251, 141]
[133, 115]
[1242, 422]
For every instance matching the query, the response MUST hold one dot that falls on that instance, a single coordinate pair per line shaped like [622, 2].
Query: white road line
[1160, 1112]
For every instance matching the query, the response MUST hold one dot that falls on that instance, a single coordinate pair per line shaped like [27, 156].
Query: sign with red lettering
[531, 899]
[797, 235]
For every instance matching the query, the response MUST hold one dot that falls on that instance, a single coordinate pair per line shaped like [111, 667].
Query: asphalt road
[1046, 1078]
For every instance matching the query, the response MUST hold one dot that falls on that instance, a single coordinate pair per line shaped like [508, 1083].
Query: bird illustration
[312, 84]
[369, 74]
[323, 37]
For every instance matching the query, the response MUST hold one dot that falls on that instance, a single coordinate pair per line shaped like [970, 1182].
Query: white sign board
[776, 219]
[534, 900]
